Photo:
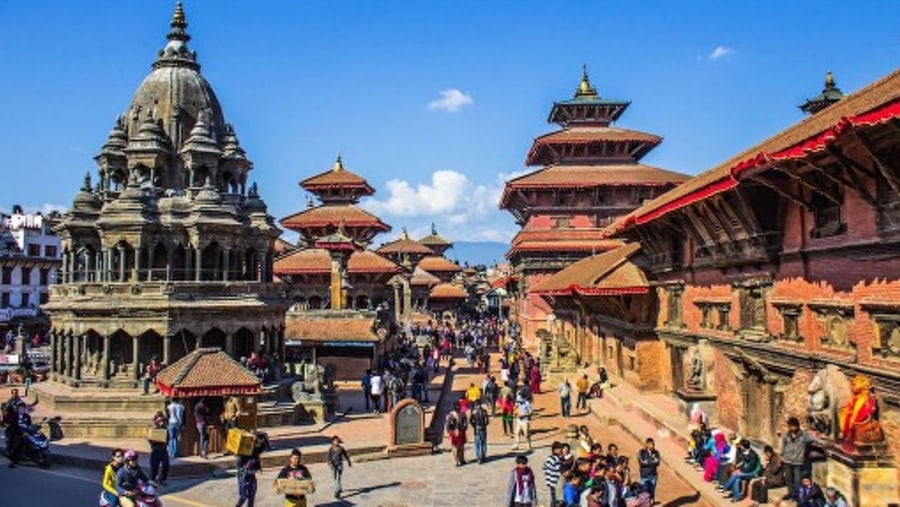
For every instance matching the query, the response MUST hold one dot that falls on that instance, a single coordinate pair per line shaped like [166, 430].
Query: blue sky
[302, 81]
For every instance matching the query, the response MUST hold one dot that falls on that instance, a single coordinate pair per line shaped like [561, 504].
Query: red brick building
[590, 175]
[777, 265]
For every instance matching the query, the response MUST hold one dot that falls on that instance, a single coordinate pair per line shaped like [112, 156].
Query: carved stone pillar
[136, 267]
[54, 355]
[135, 356]
[397, 302]
[198, 253]
[106, 270]
[167, 348]
[106, 340]
[121, 266]
[65, 268]
[169, 265]
[229, 344]
[226, 264]
[68, 366]
[79, 352]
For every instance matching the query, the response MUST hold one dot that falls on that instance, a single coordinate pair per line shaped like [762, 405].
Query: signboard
[408, 425]
[9, 359]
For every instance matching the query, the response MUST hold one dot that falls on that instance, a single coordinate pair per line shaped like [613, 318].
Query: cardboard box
[239, 442]
[295, 487]
[157, 435]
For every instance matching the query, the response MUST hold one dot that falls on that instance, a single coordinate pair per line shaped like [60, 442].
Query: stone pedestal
[706, 401]
[866, 475]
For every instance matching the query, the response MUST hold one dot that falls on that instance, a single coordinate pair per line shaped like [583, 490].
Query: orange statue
[859, 417]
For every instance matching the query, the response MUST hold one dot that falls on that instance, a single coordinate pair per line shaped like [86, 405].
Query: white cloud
[720, 52]
[462, 210]
[451, 100]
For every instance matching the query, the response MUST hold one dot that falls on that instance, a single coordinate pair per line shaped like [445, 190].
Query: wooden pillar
[106, 340]
[135, 349]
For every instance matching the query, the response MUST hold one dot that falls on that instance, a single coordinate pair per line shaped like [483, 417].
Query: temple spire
[830, 94]
[433, 229]
[338, 164]
[584, 87]
[178, 24]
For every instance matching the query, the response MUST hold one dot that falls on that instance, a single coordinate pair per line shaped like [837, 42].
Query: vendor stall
[211, 375]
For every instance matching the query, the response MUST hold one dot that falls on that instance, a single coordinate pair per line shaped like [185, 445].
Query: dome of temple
[175, 92]
[85, 199]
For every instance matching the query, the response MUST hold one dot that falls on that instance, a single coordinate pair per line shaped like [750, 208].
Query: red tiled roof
[876, 103]
[562, 240]
[422, 277]
[403, 245]
[282, 246]
[317, 260]
[313, 328]
[333, 179]
[206, 372]
[606, 274]
[448, 291]
[438, 264]
[322, 216]
[587, 135]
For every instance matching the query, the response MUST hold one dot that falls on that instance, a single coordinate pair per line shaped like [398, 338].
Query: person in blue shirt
[572, 491]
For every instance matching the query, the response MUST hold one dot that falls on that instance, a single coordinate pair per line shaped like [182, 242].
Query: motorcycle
[35, 446]
[144, 496]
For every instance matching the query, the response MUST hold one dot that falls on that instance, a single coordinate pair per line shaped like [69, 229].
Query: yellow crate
[239, 442]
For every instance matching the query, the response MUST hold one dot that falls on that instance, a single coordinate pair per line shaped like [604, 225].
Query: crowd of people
[739, 471]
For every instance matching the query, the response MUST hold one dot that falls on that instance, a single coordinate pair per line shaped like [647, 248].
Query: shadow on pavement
[362, 491]
[683, 500]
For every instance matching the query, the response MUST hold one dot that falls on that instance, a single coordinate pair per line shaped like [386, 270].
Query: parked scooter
[35, 446]
[145, 496]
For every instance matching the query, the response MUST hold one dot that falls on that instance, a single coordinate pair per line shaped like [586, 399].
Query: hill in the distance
[477, 252]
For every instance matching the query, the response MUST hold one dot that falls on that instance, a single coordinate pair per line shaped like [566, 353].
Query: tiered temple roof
[436, 242]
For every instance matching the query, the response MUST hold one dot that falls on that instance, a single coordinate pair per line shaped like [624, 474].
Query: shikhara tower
[171, 249]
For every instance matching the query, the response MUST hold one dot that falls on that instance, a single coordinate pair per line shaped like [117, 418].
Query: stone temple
[171, 249]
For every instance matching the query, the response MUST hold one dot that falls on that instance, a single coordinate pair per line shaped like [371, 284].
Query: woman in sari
[717, 451]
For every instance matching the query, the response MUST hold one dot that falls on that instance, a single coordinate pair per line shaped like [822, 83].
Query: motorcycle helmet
[130, 454]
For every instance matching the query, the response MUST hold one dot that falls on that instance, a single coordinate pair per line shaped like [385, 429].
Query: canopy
[207, 372]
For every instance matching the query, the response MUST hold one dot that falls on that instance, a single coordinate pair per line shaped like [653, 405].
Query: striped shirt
[552, 469]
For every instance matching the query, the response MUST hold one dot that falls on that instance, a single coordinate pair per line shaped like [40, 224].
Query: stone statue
[695, 379]
[859, 417]
[820, 412]
[20, 332]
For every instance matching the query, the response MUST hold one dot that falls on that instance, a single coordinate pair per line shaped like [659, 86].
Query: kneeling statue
[859, 417]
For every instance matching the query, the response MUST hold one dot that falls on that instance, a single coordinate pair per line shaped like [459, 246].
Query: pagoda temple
[436, 242]
[590, 175]
[171, 249]
[339, 287]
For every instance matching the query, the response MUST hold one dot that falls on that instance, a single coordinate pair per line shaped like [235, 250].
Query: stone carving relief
[828, 390]
[698, 362]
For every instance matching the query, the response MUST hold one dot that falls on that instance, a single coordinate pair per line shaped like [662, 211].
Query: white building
[29, 261]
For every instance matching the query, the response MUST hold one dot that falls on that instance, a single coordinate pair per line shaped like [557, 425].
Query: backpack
[451, 423]
[480, 418]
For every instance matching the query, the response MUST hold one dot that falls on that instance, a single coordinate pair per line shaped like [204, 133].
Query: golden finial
[309, 202]
[405, 234]
[433, 229]
[338, 164]
[584, 87]
[829, 80]
[178, 16]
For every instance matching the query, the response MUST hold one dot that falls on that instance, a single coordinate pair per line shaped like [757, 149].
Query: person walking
[649, 460]
[201, 413]
[366, 384]
[159, 452]
[175, 410]
[521, 491]
[231, 412]
[150, 374]
[297, 471]
[793, 453]
[523, 422]
[582, 385]
[565, 398]
[336, 456]
[480, 420]
[553, 469]
[507, 411]
[455, 425]
[376, 388]
[247, 469]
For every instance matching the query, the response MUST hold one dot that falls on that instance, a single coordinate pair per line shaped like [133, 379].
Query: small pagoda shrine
[830, 94]
[590, 175]
[437, 243]
[407, 253]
